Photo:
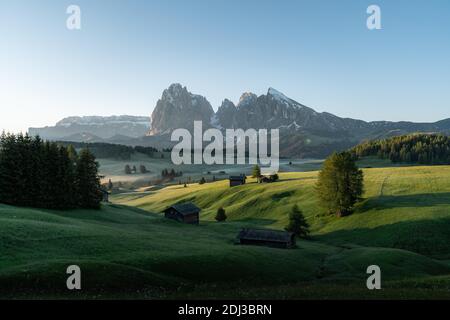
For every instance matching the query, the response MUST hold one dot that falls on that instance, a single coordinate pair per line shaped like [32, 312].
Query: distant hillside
[95, 128]
[413, 148]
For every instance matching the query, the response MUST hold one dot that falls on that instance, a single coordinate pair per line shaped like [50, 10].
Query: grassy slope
[403, 226]
[406, 207]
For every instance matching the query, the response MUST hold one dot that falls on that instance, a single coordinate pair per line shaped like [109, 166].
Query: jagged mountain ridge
[274, 111]
[303, 131]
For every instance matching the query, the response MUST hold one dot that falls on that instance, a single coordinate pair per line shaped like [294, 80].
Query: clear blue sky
[319, 53]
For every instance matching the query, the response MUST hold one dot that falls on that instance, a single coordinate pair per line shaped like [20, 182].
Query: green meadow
[129, 250]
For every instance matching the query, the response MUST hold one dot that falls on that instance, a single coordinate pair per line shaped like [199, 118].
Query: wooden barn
[184, 212]
[237, 180]
[266, 237]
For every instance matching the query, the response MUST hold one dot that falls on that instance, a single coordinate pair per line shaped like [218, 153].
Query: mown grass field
[402, 225]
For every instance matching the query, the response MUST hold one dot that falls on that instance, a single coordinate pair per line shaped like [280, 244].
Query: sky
[319, 53]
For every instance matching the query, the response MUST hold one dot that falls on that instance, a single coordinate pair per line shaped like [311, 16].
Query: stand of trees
[35, 173]
[413, 148]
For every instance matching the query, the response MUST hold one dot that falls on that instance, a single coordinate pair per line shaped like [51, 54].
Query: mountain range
[303, 131]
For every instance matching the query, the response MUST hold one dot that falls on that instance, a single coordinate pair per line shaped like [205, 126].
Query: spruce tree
[297, 223]
[256, 173]
[66, 177]
[8, 178]
[221, 215]
[340, 184]
[87, 181]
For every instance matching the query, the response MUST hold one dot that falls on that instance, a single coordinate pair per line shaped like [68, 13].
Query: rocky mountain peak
[227, 104]
[278, 95]
[247, 98]
[179, 108]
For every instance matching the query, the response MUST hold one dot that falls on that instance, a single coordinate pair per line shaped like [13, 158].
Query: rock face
[303, 131]
[178, 108]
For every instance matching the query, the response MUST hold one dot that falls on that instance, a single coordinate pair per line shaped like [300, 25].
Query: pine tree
[110, 185]
[221, 215]
[340, 184]
[297, 223]
[256, 173]
[66, 178]
[8, 178]
[73, 156]
[142, 169]
[87, 181]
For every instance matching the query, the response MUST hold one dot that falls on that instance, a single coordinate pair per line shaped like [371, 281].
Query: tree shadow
[410, 200]
[428, 237]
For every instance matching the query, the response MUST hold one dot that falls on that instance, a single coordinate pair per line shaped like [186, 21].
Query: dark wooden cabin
[237, 180]
[266, 237]
[184, 212]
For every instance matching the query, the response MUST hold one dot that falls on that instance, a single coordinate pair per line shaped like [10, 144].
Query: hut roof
[240, 178]
[185, 208]
[265, 235]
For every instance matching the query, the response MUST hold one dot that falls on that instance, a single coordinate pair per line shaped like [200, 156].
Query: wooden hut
[237, 180]
[266, 237]
[184, 212]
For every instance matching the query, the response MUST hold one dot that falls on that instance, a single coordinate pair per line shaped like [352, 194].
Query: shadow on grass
[410, 200]
[429, 237]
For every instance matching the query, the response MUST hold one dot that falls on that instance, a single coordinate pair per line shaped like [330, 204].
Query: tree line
[111, 151]
[412, 148]
[43, 174]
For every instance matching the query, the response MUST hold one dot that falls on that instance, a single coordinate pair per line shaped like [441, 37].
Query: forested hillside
[413, 148]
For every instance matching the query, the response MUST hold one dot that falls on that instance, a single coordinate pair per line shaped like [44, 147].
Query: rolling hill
[403, 225]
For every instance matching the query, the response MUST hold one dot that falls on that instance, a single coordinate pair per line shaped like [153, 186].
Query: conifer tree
[340, 184]
[221, 215]
[87, 181]
[297, 223]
